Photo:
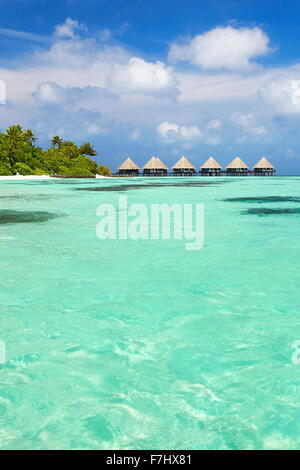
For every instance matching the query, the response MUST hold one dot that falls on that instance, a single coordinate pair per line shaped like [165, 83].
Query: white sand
[35, 177]
[27, 177]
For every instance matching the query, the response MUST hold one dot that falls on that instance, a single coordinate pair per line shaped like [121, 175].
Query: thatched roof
[263, 163]
[237, 163]
[211, 163]
[182, 164]
[128, 164]
[155, 163]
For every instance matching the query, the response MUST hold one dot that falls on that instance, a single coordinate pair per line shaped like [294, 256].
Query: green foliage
[87, 149]
[103, 170]
[29, 136]
[39, 171]
[22, 169]
[5, 169]
[56, 141]
[18, 153]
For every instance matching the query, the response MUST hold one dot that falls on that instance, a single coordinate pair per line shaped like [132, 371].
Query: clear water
[142, 344]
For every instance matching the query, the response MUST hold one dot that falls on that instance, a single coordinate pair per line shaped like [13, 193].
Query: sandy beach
[35, 177]
[27, 177]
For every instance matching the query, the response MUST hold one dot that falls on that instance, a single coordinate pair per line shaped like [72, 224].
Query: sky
[167, 78]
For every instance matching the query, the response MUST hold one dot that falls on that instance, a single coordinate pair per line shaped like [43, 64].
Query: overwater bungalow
[155, 167]
[237, 168]
[264, 168]
[211, 168]
[184, 168]
[128, 168]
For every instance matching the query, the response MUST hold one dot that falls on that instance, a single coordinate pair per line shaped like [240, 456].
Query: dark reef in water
[22, 217]
[126, 187]
[268, 211]
[263, 199]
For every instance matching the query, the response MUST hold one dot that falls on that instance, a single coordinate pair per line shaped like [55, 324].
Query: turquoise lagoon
[123, 344]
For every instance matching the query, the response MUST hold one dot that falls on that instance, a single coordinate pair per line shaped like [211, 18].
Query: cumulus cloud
[69, 110]
[72, 61]
[69, 29]
[139, 76]
[223, 48]
[88, 97]
[282, 93]
[72, 52]
[79, 86]
[111, 66]
[50, 119]
[49, 92]
[248, 123]
[169, 131]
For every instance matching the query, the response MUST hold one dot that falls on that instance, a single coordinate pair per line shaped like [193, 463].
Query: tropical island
[19, 154]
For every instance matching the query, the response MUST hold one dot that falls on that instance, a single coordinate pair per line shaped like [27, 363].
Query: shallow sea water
[123, 344]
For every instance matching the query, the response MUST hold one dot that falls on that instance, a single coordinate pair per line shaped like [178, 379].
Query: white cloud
[84, 62]
[69, 29]
[24, 35]
[213, 124]
[79, 87]
[170, 131]
[202, 87]
[73, 62]
[282, 93]
[248, 122]
[223, 48]
[213, 141]
[49, 92]
[189, 132]
[94, 129]
[139, 76]
[88, 97]
[105, 34]
[72, 52]
[144, 88]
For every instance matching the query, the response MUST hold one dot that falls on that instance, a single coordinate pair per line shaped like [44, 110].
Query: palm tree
[14, 133]
[87, 149]
[56, 141]
[14, 137]
[29, 136]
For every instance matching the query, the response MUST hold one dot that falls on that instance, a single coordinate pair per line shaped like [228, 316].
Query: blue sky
[168, 77]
